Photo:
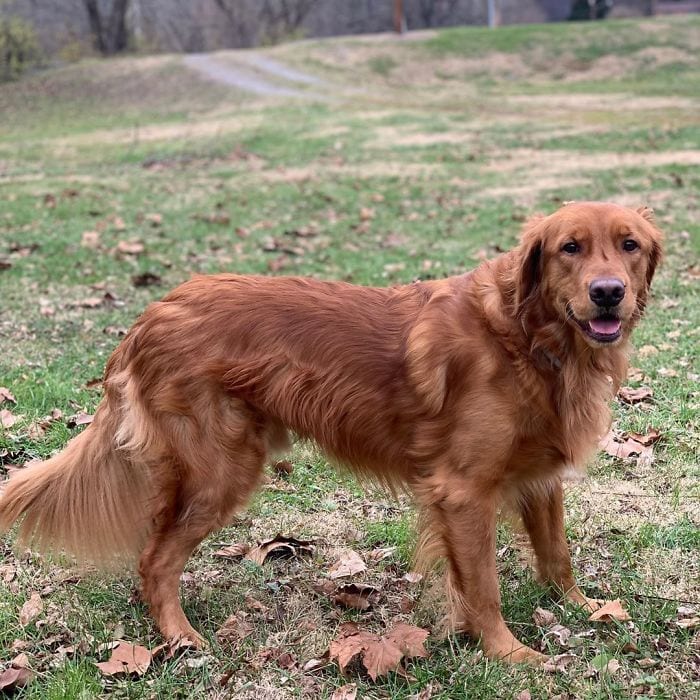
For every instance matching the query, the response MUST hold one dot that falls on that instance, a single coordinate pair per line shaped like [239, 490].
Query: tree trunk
[110, 35]
[95, 20]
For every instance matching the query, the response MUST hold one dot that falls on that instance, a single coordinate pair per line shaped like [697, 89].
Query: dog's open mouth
[604, 329]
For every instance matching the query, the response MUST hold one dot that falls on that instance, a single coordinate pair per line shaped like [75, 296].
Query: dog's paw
[575, 595]
[187, 640]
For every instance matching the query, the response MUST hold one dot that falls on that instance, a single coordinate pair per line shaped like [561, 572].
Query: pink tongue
[605, 326]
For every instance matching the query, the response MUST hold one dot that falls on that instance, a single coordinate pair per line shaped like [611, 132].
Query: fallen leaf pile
[379, 654]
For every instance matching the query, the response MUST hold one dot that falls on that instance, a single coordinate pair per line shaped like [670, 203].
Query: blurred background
[33, 31]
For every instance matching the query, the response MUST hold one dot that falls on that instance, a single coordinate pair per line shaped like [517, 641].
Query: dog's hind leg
[542, 511]
[209, 479]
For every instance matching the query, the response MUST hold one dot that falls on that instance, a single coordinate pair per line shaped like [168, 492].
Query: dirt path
[251, 74]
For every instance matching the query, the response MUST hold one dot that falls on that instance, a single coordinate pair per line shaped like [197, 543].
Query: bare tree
[243, 21]
[281, 18]
[436, 12]
[108, 29]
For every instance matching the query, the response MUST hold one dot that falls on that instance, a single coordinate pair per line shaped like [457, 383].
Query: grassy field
[423, 157]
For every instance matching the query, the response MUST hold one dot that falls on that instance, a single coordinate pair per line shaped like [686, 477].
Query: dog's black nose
[606, 291]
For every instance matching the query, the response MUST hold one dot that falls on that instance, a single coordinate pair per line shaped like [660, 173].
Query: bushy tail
[89, 500]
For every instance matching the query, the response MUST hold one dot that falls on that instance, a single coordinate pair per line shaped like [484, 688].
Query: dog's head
[589, 265]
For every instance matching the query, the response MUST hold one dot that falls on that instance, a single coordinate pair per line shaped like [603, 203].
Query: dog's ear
[529, 261]
[655, 255]
[647, 213]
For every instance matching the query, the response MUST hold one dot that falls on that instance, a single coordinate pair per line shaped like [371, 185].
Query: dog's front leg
[464, 520]
[542, 511]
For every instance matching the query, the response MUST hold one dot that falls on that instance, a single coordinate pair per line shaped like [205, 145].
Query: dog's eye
[630, 244]
[571, 247]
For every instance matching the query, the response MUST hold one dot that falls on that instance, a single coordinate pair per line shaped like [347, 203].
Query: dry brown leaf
[635, 374]
[286, 660]
[90, 302]
[345, 692]
[357, 596]
[366, 213]
[409, 639]
[234, 629]
[231, 551]
[381, 553]
[647, 662]
[631, 395]
[349, 564]
[255, 604]
[624, 447]
[283, 466]
[380, 657]
[80, 418]
[126, 659]
[130, 247]
[146, 279]
[544, 618]
[689, 623]
[7, 395]
[558, 663]
[350, 642]
[13, 678]
[20, 661]
[280, 546]
[90, 239]
[563, 634]
[612, 610]
[648, 439]
[380, 654]
[412, 577]
[118, 331]
[31, 609]
[154, 219]
[647, 350]
[427, 692]
[8, 419]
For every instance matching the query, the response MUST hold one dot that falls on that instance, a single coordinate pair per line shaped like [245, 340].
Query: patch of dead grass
[561, 162]
[364, 171]
[608, 101]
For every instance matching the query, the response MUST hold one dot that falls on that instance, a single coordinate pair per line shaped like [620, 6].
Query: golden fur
[470, 391]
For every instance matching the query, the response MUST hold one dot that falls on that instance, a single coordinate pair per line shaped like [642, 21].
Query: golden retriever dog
[471, 392]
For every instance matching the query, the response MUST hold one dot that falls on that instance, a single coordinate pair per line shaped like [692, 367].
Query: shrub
[19, 49]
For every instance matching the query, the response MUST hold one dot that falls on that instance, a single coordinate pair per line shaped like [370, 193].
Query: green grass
[420, 175]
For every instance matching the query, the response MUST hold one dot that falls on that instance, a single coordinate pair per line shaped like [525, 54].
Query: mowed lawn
[413, 158]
